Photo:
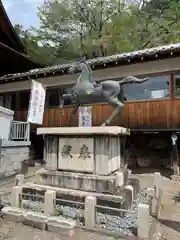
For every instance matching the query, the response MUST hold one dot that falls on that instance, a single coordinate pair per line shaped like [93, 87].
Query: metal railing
[33, 202]
[20, 131]
[70, 209]
[5, 197]
[116, 220]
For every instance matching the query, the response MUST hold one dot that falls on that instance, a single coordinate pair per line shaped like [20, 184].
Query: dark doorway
[37, 144]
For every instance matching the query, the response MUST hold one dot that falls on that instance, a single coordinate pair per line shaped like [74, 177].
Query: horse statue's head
[77, 67]
[84, 79]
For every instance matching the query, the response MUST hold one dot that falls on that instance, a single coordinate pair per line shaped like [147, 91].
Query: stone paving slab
[169, 223]
[11, 230]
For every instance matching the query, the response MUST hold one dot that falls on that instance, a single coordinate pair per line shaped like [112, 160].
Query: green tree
[162, 21]
[43, 54]
[71, 28]
[80, 22]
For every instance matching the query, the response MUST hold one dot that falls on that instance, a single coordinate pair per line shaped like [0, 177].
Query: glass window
[177, 85]
[53, 97]
[156, 87]
[9, 101]
[24, 97]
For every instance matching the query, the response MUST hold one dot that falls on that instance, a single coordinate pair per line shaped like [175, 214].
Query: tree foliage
[72, 28]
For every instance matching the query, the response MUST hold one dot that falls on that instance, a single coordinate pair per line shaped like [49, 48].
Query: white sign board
[36, 104]
[85, 116]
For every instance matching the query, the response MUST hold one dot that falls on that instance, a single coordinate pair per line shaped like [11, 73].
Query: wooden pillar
[17, 107]
[174, 155]
[123, 141]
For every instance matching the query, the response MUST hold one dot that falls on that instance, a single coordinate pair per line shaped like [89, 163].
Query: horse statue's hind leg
[117, 111]
[113, 100]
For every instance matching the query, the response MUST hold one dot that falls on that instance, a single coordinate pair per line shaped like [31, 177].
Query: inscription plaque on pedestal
[76, 154]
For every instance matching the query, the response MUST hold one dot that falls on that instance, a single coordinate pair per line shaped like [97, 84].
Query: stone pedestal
[83, 158]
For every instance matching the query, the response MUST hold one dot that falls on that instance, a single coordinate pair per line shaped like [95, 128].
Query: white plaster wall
[159, 66]
[11, 160]
[6, 117]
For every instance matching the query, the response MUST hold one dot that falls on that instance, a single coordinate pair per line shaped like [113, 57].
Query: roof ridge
[102, 61]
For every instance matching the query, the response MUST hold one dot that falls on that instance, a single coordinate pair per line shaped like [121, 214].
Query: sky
[23, 12]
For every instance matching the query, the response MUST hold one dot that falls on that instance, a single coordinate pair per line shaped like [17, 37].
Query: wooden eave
[8, 32]
[15, 61]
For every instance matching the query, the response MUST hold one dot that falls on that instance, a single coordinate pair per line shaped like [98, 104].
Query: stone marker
[19, 179]
[90, 212]
[49, 208]
[35, 219]
[157, 182]
[143, 221]
[61, 225]
[130, 188]
[16, 196]
[13, 214]
[119, 179]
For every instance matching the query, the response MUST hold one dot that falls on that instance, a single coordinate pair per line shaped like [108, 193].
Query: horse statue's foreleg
[62, 106]
[73, 113]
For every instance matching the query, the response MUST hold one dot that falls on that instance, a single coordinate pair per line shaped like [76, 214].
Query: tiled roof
[100, 61]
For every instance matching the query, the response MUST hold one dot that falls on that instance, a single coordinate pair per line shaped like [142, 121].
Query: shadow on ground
[164, 172]
[176, 198]
[171, 224]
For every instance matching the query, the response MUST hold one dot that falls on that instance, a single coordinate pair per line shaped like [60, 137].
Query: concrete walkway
[10, 230]
[9, 181]
[168, 225]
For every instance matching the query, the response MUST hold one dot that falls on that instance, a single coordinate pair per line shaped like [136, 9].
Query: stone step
[72, 192]
[61, 226]
[39, 220]
[82, 181]
[13, 214]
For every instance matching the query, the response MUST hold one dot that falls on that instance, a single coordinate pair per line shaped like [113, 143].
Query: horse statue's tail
[131, 79]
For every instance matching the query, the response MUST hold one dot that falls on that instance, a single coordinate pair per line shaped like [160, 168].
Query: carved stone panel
[76, 154]
[50, 152]
[107, 154]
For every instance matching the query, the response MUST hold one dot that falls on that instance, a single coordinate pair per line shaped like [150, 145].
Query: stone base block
[34, 219]
[13, 214]
[83, 182]
[95, 150]
[61, 226]
[135, 185]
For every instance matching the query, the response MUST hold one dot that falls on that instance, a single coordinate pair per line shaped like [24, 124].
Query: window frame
[60, 89]
[174, 81]
[168, 73]
[47, 104]
[154, 99]
[19, 100]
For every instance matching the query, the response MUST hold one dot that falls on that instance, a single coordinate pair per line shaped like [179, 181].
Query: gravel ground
[126, 224]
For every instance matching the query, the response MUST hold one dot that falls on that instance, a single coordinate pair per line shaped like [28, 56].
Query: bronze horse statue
[88, 91]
